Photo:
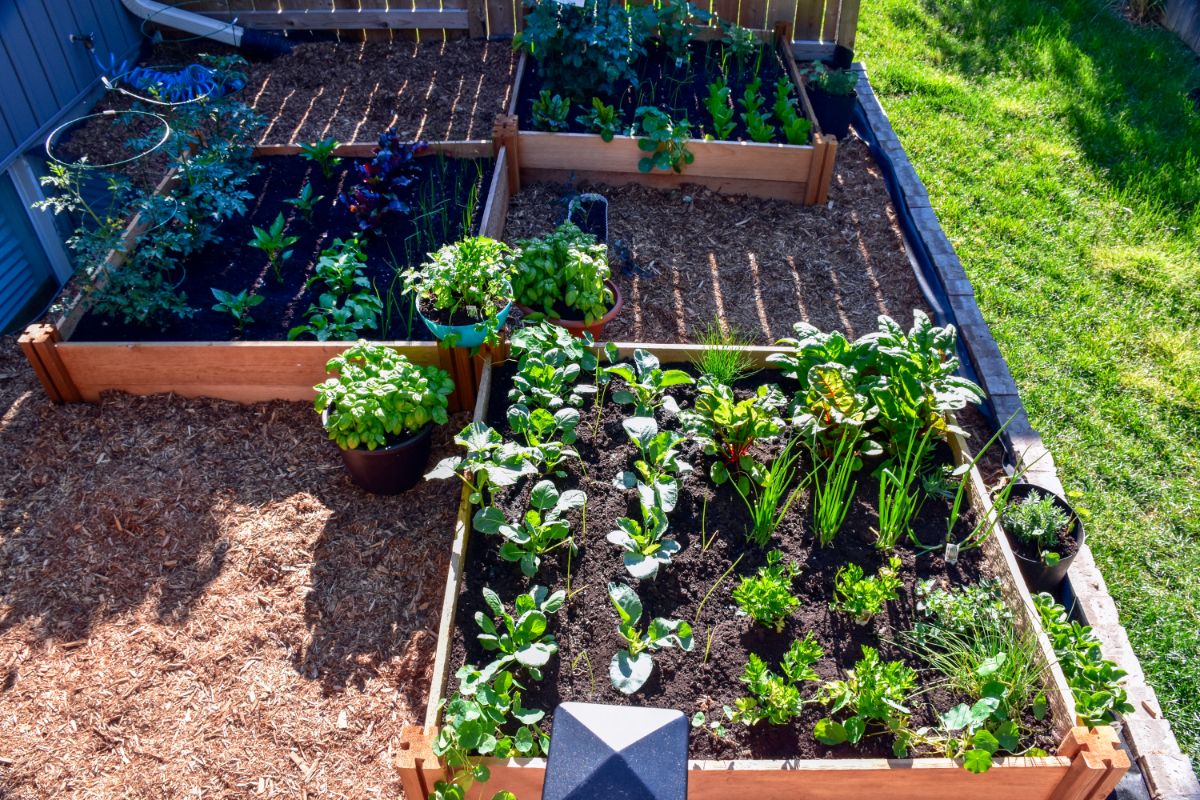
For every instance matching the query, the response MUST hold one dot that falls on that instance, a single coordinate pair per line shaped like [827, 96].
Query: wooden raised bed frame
[799, 173]
[1087, 766]
[242, 371]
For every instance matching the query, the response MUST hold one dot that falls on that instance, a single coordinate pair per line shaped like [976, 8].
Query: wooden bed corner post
[820, 175]
[504, 134]
[783, 35]
[38, 344]
[419, 767]
[1097, 764]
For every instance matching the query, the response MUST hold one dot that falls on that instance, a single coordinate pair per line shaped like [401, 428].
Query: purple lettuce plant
[387, 181]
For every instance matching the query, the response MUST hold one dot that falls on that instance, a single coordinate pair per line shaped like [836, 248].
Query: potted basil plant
[565, 276]
[832, 94]
[463, 291]
[380, 409]
[1045, 534]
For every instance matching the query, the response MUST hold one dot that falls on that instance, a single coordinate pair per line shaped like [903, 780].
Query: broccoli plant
[647, 383]
[539, 532]
[775, 697]
[631, 666]
[767, 597]
[520, 638]
[863, 597]
[550, 362]
[488, 464]
[657, 472]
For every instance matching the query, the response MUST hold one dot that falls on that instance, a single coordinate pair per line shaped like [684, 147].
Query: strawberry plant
[520, 638]
[1094, 680]
[767, 597]
[631, 667]
[540, 531]
[664, 140]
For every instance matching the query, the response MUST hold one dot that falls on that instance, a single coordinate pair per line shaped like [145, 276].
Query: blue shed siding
[42, 73]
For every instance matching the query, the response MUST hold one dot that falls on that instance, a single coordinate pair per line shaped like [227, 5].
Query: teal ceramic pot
[468, 335]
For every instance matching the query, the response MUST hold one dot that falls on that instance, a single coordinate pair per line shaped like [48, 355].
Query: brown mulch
[195, 601]
[351, 91]
[757, 265]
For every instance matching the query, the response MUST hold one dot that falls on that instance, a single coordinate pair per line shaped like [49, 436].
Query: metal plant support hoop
[52, 140]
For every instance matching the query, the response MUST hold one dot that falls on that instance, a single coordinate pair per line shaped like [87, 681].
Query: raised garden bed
[77, 359]
[764, 761]
[796, 172]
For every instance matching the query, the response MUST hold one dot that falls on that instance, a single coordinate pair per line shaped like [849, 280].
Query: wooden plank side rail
[1088, 764]
[323, 19]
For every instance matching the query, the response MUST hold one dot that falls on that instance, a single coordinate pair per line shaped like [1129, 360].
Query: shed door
[26, 280]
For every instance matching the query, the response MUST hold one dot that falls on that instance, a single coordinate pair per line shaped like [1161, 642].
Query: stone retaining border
[1165, 770]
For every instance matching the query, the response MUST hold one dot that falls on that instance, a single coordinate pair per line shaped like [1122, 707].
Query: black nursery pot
[1038, 576]
[833, 110]
[392, 469]
[590, 212]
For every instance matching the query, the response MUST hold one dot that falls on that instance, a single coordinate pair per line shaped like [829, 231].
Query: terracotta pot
[577, 327]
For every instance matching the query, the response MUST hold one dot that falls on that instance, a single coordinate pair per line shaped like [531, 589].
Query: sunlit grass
[1062, 153]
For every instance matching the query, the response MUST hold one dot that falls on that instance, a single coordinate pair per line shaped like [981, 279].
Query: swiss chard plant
[541, 530]
[646, 384]
[751, 101]
[378, 395]
[719, 109]
[874, 693]
[388, 182]
[767, 597]
[237, 305]
[489, 462]
[520, 638]
[727, 427]
[664, 141]
[550, 112]
[550, 363]
[601, 118]
[795, 127]
[275, 243]
[631, 667]
[862, 596]
[775, 697]
[563, 272]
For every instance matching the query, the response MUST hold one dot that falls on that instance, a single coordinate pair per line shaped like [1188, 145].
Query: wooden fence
[831, 22]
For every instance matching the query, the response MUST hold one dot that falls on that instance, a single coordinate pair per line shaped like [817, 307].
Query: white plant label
[951, 553]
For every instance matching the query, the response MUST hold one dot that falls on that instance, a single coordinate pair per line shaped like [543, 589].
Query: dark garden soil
[707, 678]
[195, 599]
[351, 91]
[695, 256]
[446, 184]
[678, 89]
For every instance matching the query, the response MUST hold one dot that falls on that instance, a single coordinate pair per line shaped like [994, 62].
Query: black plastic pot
[392, 469]
[590, 212]
[1038, 576]
[833, 110]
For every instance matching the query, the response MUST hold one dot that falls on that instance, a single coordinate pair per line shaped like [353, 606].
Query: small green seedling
[275, 244]
[550, 112]
[863, 597]
[306, 201]
[767, 597]
[602, 119]
[237, 306]
[322, 153]
[520, 637]
[540, 531]
[719, 109]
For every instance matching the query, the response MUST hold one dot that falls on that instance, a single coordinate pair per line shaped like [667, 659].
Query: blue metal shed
[45, 79]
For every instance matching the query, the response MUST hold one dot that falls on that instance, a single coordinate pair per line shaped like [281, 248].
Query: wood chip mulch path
[195, 601]
[757, 265]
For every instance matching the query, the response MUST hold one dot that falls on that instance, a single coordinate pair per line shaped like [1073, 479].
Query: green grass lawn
[1062, 154]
